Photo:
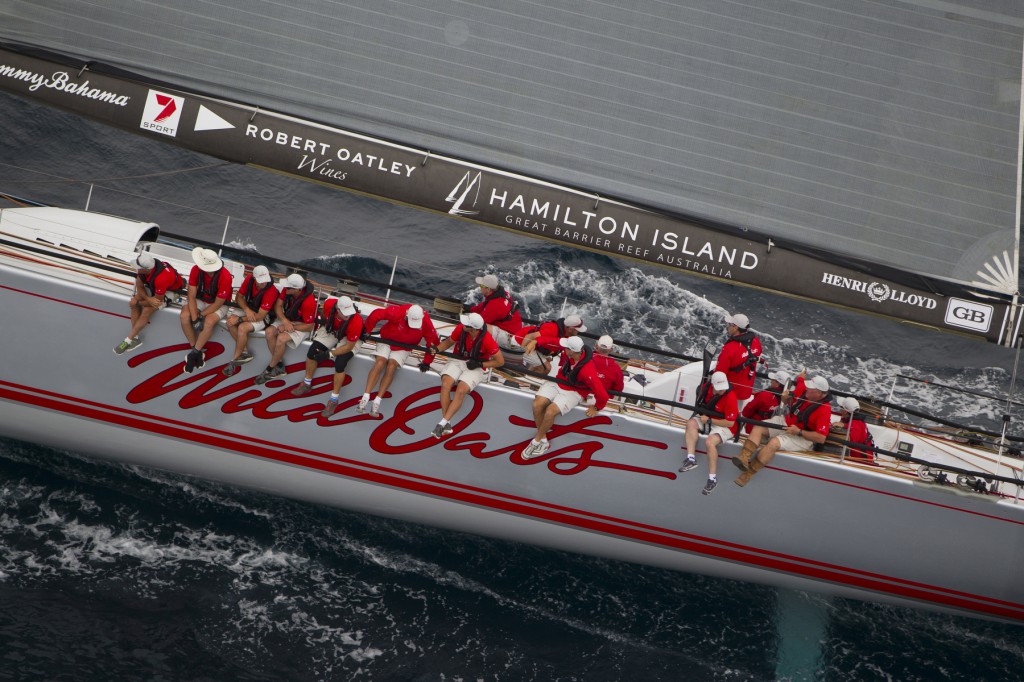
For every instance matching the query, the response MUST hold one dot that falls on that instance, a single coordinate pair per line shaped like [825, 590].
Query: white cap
[472, 320]
[294, 281]
[345, 306]
[145, 261]
[261, 274]
[605, 342]
[819, 383]
[740, 320]
[489, 281]
[414, 316]
[849, 403]
[719, 381]
[207, 259]
[779, 376]
[573, 343]
[575, 321]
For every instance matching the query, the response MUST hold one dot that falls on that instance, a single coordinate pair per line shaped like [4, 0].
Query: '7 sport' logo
[162, 113]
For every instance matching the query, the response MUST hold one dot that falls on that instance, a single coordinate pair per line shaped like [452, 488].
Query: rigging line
[112, 179]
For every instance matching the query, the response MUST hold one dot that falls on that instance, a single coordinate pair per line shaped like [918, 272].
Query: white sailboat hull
[608, 487]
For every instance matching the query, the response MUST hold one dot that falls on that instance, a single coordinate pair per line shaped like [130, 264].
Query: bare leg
[712, 445]
[389, 375]
[547, 421]
[241, 334]
[209, 325]
[374, 375]
[139, 322]
[692, 435]
[540, 405]
[456, 403]
[186, 327]
[446, 393]
[280, 345]
[339, 381]
[310, 368]
[768, 451]
[272, 333]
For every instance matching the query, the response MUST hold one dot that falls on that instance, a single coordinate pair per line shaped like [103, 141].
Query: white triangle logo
[207, 120]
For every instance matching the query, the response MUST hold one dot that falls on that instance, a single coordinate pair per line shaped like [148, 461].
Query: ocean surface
[112, 572]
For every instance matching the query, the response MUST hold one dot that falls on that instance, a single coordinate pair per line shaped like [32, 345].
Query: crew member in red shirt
[474, 352]
[762, 406]
[608, 370]
[738, 359]
[152, 282]
[539, 343]
[254, 303]
[209, 290]
[335, 339]
[294, 315]
[806, 422]
[499, 310]
[855, 430]
[407, 324]
[577, 380]
[718, 398]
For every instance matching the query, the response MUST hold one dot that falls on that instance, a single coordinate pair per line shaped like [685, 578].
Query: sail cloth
[885, 133]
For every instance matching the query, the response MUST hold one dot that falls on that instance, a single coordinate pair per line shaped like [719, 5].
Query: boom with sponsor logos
[489, 196]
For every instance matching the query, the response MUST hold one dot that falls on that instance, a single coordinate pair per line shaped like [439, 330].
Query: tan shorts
[240, 314]
[788, 441]
[565, 399]
[723, 432]
[222, 311]
[399, 355]
[295, 338]
[328, 339]
[457, 369]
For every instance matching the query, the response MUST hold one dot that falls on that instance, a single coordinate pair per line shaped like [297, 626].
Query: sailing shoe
[689, 464]
[301, 389]
[361, 407]
[194, 360]
[374, 408]
[530, 448]
[541, 448]
[265, 376]
[742, 460]
[245, 357]
[278, 370]
[448, 430]
[709, 487]
[134, 343]
[438, 431]
[329, 408]
[120, 348]
[230, 368]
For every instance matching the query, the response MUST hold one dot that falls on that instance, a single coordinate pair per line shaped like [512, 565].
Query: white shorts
[329, 340]
[222, 311]
[723, 432]
[788, 441]
[457, 369]
[295, 338]
[503, 338]
[240, 314]
[565, 399]
[399, 355]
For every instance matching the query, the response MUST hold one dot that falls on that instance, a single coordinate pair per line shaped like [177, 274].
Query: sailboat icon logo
[457, 197]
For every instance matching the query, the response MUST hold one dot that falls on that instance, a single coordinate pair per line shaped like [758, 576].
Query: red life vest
[206, 288]
[254, 298]
[293, 303]
[331, 321]
[473, 352]
[148, 282]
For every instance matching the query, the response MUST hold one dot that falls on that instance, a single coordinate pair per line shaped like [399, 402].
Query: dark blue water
[110, 572]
